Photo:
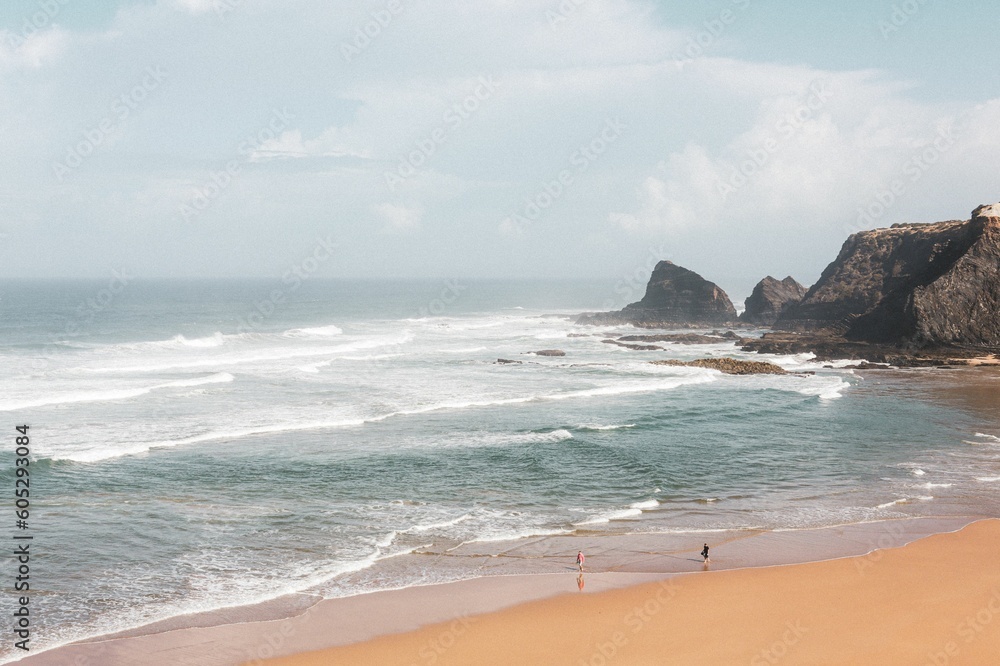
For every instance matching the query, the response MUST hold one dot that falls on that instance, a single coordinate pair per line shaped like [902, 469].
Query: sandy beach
[935, 601]
[874, 586]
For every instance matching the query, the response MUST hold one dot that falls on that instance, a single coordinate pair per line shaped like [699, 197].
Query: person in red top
[580, 559]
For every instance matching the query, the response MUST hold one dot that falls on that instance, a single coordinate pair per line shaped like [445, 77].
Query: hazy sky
[506, 138]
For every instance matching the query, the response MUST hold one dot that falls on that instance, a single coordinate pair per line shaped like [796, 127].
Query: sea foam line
[105, 454]
[121, 394]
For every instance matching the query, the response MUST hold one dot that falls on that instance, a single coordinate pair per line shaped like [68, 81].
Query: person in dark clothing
[704, 552]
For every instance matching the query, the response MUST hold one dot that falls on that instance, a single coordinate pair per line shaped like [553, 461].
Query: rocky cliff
[770, 298]
[924, 285]
[675, 296]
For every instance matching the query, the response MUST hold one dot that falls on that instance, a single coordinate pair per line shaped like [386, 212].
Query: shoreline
[301, 622]
[905, 605]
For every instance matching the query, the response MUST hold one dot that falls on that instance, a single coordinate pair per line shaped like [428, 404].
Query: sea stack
[675, 296]
[769, 299]
[922, 285]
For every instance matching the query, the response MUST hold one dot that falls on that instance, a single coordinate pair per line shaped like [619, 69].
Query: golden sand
[934, 602]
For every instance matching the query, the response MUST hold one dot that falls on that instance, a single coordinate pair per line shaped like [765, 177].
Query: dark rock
[549, 352]
[680, 338]
[829, 347]
[911, 285]
[505, 361]
[675, 296]
[770, 298]
[632, 346]
[729, 366]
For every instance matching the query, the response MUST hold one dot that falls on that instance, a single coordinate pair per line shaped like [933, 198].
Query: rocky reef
[729, 366]
[770, 298]
[675, 297]
[910, 286]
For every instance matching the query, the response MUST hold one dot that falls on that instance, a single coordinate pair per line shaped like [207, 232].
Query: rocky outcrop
[770, 298]
[548, 352]
[675, 296]
[729, 366]
[632, 345]
[911, 285]
[682, 338]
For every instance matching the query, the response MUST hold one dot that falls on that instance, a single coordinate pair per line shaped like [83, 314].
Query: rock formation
[918, 285]
[729, 366]
[769, 299]
[674, 297]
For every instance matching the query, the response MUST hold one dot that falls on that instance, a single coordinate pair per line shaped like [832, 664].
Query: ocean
[204, 444]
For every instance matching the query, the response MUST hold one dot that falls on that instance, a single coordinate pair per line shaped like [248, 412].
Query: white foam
[648, 504]
[214, 340]
[512, 536]
[315, 332]
[542, 437]
[936, 485]
[830, 390]
[259, 356]
[439, 525]
[988, 479]
[217, 378]
[605, 427]
[106, 396]
[901, 500]
[603, 518]
[987, 437]
[917, 472]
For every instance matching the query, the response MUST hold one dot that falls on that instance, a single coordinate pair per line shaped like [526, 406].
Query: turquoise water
[203, 444]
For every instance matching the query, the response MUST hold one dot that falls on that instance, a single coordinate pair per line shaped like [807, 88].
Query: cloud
[35, 50]
[819, 145]
[690, 129]
[399, 219]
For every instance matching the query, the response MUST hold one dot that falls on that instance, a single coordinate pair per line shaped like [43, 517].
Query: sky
[496, 139]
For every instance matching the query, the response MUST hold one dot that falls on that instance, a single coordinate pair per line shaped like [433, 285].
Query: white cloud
[399, 219]
[39, 48]
[820, 144]
[196, 6]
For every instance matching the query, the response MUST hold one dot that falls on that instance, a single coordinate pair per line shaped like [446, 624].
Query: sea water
[205, 444]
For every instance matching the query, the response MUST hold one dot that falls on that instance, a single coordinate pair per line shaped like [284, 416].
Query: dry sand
[935, 601]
